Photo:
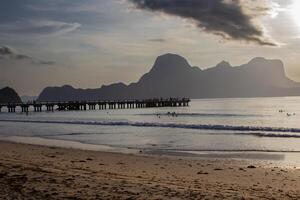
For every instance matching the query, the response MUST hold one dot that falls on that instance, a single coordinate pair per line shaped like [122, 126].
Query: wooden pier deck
[93, 105]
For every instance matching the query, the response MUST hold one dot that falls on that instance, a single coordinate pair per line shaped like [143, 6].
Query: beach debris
[218, 169]
[3, 174]
[201, 172]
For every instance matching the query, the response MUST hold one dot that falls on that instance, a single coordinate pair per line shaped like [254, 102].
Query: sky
[91, 43]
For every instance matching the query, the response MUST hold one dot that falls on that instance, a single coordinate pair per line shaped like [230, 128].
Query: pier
[93, 105]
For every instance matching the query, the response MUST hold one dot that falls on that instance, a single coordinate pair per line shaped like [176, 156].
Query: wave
[247, 130]
[224, 150]
[201, 114]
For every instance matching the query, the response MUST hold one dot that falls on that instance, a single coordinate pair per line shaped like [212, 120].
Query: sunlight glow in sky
[295, 11]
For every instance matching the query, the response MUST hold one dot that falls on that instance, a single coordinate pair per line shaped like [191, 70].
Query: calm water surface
[208, 125]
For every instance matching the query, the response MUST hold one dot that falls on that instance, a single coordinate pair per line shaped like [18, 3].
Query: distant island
[172, 76]
[9, 95]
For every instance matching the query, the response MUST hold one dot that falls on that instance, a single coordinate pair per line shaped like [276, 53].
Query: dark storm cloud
[11, 54]
[225, 18]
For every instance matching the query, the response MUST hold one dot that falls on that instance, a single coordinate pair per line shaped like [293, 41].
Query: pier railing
[93, 105]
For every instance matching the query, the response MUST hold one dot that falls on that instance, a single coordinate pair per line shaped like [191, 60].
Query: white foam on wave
[250, 130]
[202, 114]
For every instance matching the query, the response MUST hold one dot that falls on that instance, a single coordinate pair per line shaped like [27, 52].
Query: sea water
[254, 125]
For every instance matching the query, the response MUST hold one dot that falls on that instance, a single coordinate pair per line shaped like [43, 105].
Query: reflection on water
[221, 155]
[237, 125]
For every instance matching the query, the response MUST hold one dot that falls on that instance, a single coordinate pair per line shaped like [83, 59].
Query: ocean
[223, 127]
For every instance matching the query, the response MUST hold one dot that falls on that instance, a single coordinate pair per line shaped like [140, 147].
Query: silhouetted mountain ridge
[9, 95]
[172, 76]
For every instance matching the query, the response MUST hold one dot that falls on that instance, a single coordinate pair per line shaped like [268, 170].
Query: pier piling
[102, 105]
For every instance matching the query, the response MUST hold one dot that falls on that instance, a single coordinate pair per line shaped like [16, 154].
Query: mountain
[172, 76]
[8, 95]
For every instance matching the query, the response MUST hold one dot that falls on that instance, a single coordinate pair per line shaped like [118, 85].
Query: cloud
[11, 54]
[7, 52]
[45, 62]
[157, 40]
[39, 27]
[230, 19]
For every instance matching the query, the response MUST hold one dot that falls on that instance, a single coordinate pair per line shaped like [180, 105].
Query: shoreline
[40, 172]
[284, 159]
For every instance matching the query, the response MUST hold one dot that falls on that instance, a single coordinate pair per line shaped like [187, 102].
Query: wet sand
[38, 172]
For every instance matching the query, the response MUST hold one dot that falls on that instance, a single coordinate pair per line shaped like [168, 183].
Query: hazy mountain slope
[172, 76]
[8, 95]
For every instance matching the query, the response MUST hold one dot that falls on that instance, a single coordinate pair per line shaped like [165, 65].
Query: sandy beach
[38, 172]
